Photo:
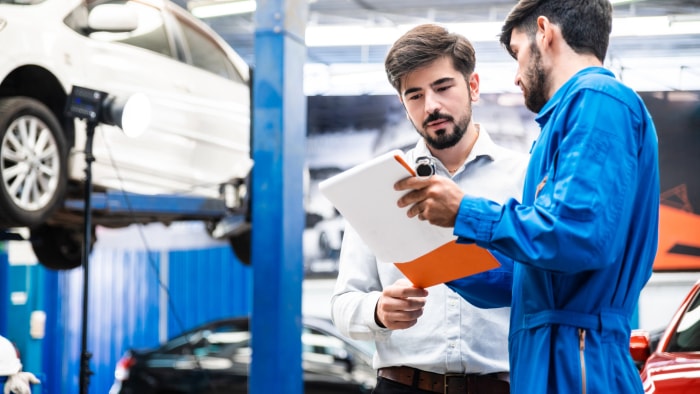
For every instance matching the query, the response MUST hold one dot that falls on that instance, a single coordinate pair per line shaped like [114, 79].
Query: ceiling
[646, 62]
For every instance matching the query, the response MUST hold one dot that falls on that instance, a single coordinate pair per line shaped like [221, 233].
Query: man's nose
[432, 103]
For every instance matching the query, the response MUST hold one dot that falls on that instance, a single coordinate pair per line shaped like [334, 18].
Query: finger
[409, 198]
[404, 319]
[412, 182]
[415, 210]
[403, 292]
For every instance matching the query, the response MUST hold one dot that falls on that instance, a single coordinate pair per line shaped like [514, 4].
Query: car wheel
[33, 174]
[58, 248]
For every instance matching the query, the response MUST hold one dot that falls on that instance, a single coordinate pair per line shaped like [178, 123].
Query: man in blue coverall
[578, 249]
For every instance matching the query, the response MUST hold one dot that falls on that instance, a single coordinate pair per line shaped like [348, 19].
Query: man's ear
[474, 86]
[545, 30]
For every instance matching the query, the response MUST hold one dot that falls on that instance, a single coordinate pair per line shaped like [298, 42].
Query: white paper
[366, 198]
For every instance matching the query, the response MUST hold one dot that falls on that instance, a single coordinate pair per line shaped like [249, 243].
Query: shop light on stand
[132, 115]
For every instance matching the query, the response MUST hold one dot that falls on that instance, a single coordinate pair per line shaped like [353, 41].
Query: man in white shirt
[431, 340]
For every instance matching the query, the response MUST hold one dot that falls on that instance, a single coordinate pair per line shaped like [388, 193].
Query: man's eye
[414, 97]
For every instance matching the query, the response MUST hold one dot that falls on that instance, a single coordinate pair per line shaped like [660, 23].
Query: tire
[59, 248]
[240, 245]
[33, 162]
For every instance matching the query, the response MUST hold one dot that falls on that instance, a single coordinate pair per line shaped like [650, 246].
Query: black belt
[448, 383]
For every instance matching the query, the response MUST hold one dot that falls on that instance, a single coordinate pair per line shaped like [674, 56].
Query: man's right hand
[400, 305]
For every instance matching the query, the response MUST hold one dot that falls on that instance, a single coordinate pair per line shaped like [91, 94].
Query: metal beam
[279, 148]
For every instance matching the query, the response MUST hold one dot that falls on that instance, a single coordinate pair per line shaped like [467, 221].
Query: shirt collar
[483, 147]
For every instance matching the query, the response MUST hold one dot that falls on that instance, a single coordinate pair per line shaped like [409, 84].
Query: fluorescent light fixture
[211, 9]
[358, 35]
[618, 2]
[654, 26]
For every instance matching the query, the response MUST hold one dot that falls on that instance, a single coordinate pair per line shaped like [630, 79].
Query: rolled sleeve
[475, 220]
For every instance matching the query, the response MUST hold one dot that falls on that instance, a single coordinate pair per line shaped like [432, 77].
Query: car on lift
[215, 358]
[196, 147]
[673, 365]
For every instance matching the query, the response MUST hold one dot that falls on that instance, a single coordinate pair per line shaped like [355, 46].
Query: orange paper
[448, 262]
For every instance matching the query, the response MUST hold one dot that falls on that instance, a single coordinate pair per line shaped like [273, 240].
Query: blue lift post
[279, 149]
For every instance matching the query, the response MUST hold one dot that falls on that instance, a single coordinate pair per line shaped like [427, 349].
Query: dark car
[672, 366]
[215, 358]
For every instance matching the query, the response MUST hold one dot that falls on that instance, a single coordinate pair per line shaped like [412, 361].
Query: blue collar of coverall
[546, 111]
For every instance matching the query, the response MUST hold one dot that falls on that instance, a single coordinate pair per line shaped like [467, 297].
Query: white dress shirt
[451, 336]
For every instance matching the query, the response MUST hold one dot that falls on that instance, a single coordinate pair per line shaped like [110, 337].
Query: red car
[674, 366]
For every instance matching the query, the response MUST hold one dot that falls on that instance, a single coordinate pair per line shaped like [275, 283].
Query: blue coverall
[582, 242]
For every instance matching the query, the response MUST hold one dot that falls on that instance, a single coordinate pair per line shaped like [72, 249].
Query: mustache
[436, 116]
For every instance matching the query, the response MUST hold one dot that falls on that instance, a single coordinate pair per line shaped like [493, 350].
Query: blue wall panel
[128, 306]
[206, 284]
[122, 313]
[4, 292]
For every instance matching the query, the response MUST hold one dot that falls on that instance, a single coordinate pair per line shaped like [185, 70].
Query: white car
[195, 150]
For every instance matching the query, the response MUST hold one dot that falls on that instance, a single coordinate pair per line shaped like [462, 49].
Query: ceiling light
[654, 26]
[359, 35]
[618, 2]
[213, 8]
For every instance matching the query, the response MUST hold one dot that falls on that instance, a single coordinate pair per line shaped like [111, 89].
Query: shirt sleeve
[357, 290]
[577, 218]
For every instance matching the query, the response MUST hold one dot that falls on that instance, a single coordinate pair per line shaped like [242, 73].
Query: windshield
[687, 335]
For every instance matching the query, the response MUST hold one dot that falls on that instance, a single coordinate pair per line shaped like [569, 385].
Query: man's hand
[20, 383]
[435, 199]
[400, 305]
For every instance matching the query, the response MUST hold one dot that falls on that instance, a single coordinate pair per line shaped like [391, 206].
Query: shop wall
[137, 299]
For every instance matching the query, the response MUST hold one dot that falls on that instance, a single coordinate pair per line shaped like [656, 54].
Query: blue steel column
[279, 149]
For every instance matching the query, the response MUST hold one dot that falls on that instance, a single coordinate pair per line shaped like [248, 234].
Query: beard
[443, 138]
[534, 91]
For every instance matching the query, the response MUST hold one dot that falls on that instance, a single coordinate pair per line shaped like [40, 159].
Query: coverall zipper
[582, 348]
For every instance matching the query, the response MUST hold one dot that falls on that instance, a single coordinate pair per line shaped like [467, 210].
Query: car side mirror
[640, 346]
[344, 357]
[114, 18]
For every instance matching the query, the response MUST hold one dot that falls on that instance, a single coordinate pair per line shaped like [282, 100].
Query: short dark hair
[423, 45]
[585, 24]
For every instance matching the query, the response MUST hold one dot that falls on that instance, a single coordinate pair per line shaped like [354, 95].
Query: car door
[221, 81]
[175, 154]
[331, 366]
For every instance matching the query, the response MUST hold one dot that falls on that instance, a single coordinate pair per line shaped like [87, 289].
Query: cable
[154, 267]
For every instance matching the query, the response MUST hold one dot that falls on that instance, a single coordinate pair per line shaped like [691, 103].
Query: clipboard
[426, 254]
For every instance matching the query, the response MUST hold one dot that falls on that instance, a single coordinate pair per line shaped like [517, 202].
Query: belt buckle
[445, 379]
